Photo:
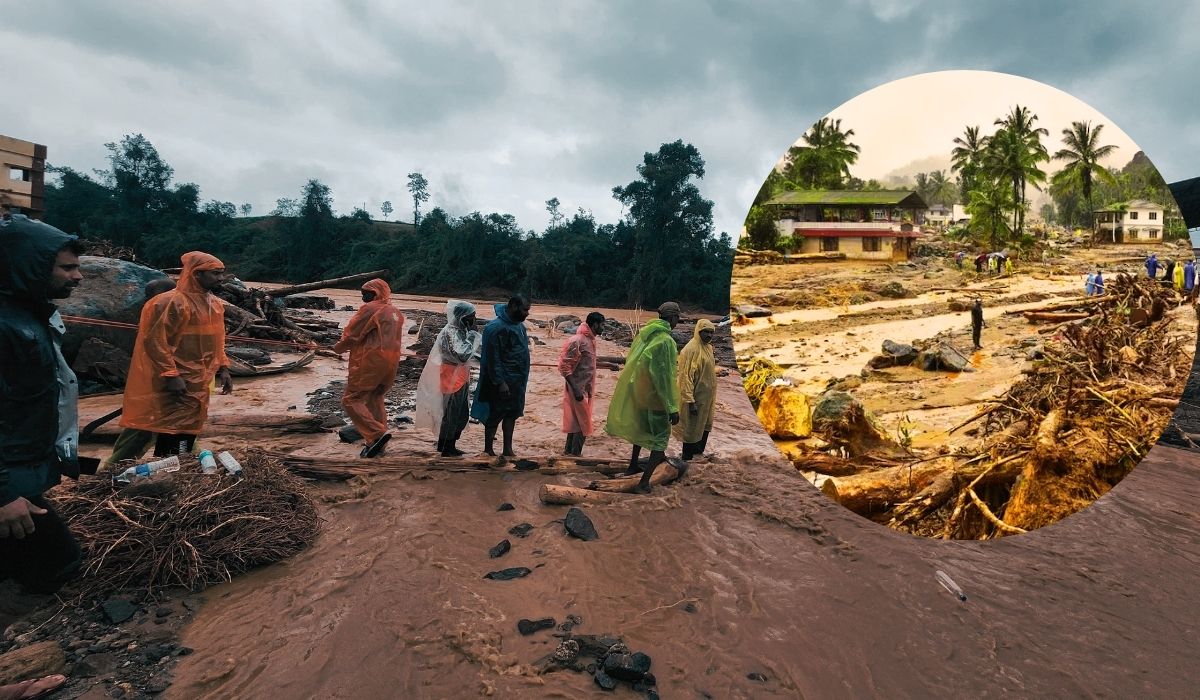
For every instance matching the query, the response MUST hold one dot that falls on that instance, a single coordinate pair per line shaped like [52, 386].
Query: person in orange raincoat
[577, 365]
[374, 337]
[180, 348]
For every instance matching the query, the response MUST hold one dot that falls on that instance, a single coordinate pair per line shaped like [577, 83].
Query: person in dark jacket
[503, 373]
[977, 322]
[39, 421]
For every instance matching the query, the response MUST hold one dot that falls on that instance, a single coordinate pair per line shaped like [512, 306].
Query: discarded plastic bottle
[169, 464]
[949, 584]
[231, 465]
[208, 464]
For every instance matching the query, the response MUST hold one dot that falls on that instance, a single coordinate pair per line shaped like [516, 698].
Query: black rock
[528, 627]
[163, 612]
[653, 695]
[183, 651]
[579, 525]
[649, 679]
[508, 574]
[690, 607]
[604, 680]
[571, 623]
[500, 549]
[349, 434]
[591, 668]
[118, 610]
[333, 422]
[526, 465]
[520, 530]
[506, 506]
[756, 676]
[627, 667]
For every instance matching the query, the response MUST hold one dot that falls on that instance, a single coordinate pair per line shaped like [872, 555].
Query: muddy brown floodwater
[791, 595]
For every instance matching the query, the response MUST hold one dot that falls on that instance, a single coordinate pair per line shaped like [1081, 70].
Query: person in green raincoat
[697, 380]
[645, 403]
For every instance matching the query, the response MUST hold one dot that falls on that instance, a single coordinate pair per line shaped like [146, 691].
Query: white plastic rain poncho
[445, 380]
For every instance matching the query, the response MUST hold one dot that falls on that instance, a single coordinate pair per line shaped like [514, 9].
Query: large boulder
[842, 421]
[752, 311]
[943, 357]
[112, 290]
[894, 355]
[785, 413]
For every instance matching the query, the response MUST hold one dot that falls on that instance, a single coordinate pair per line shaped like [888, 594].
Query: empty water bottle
[169, 464]
[949, 584]
[231, 464]
[208, 464]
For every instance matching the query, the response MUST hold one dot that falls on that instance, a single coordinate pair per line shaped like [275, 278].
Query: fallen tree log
[1051, 317]
[872, 492]
[33, 661]
[829, 465]
[244, 369]
[559, 495]
[1074, 303]
[241, 424]
[666, 472]
[323, 284]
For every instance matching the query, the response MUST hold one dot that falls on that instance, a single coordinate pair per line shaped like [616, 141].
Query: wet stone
[604, 680]
[349, 434]
[627, 667]
[506, 506]
[649, 679]
[118, 610]
[571, 623]
[500, 549]
[520, 530]
[690, 608]
[526, 465]
[579, 525]
[528, 627]
[508, 574]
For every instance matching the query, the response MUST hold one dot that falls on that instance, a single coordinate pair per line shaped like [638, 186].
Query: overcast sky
[504, 105]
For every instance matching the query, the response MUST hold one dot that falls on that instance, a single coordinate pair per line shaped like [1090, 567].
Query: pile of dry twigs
[1072, 428]
[187, 528]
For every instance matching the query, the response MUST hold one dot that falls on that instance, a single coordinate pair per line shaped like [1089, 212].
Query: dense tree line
[664, 247]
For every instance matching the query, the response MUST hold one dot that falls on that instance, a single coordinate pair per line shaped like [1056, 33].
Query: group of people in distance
[994, 262]
[1184, 277]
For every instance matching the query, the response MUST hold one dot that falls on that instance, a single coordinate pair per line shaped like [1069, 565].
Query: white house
[939, 214]
[1137, 221]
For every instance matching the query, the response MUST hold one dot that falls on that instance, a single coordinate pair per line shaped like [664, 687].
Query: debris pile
[1079, 421]
[186, 528]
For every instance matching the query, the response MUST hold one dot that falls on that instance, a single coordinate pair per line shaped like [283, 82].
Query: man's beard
[60, 292]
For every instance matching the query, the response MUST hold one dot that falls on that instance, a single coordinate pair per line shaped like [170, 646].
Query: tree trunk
[33, 661]
[557, 494]
[665, 473]
[322, 284]
[876, 491]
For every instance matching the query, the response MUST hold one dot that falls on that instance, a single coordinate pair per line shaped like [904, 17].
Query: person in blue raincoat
[503, 373]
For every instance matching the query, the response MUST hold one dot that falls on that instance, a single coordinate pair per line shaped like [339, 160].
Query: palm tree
[1083, 153]
[1014, 153]
[941, 189]
[966, 158]
[989, 204]
[826, 159]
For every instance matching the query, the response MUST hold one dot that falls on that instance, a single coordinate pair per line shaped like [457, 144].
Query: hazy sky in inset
[901, 124]
[505, 105]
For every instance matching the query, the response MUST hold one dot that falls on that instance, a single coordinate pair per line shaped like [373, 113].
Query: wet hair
[519, 300]
[74, 246]
[158, 286]
[594, 317]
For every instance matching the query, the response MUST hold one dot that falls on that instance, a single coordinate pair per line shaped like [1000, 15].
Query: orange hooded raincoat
[375, 338]
[181, 333]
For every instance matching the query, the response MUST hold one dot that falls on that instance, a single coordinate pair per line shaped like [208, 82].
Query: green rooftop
[905, 198]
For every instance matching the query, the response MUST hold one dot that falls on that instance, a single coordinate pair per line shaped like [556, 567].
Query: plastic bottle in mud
[208, 464]
[141, 471]
[231, 464]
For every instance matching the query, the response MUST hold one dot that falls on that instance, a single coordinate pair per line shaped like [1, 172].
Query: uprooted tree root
[187, 528]
[1066, 433]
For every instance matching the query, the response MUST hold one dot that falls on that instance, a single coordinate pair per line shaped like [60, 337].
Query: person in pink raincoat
[577, 364]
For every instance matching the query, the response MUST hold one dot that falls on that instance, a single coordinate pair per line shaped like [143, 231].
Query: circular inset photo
[965, 305]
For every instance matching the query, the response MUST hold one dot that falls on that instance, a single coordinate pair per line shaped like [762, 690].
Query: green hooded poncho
[646, 393]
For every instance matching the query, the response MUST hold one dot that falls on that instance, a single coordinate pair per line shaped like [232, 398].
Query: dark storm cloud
[513, 103]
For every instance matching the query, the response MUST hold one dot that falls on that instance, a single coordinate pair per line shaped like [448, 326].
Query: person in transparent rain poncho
[443, 392]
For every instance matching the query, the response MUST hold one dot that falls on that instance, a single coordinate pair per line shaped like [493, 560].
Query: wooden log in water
[664, 474]
[875, 491]
[560, 495]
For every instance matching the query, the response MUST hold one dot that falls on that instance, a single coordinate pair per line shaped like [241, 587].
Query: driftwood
[559, 495]
[239, 424]
[339, 468]
[1060, 305]
[666, 472]
[829, 465]
[239, 368]
[323, 284]
[873, 491]
[33, 661]
[1051, 317]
